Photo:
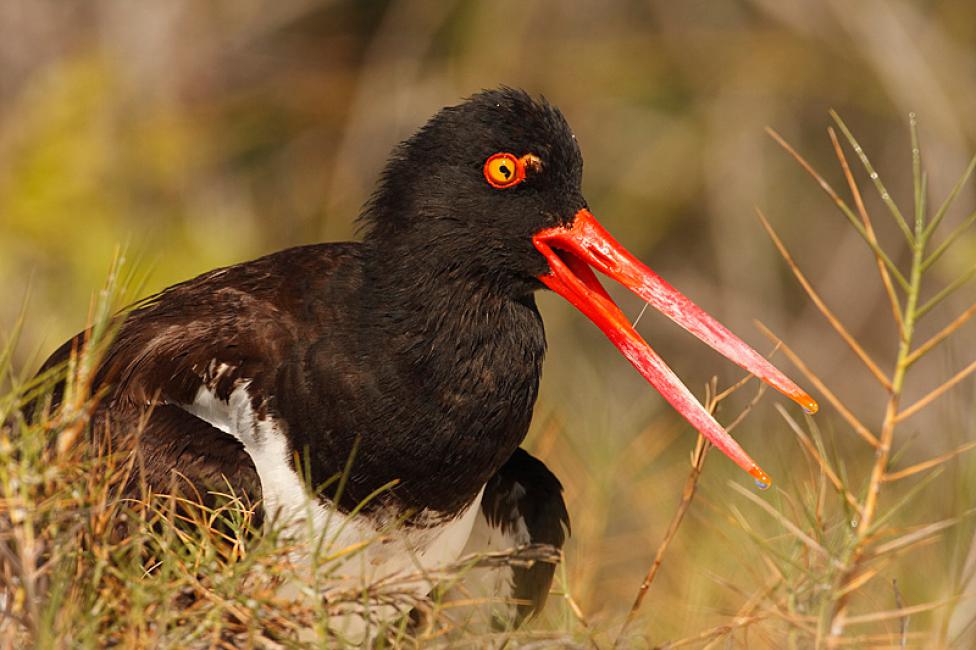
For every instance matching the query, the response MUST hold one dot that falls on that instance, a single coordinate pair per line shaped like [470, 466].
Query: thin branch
[883, 640]
[821, 306]
[736, 386]
[928, 464]
[712, 633]
[688, 494]
[851, 217]
[904, 500]
[868, 228]
[925, 401]
[882, 190]
[915, 536]
[926, 347]
[946, 292]
[901, 612]
[852, 420]
[919, 180]
[859, 581]
[944, 208]
[953, 236]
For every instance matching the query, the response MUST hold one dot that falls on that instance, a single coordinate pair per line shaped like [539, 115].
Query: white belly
[358, 550]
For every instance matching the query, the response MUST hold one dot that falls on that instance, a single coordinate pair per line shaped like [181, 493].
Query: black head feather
[433, 196]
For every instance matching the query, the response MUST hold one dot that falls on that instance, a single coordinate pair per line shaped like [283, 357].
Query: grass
[827, 559]
[876, 540]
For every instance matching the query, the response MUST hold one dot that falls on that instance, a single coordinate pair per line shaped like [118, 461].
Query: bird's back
[240, 323]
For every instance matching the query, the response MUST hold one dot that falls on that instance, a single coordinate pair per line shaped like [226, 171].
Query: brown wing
[182, 454]
[224, 327]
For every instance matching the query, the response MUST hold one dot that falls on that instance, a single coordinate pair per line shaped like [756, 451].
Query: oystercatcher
[413, 356]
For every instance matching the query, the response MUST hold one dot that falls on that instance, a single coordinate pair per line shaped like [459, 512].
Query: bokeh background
[205, 133]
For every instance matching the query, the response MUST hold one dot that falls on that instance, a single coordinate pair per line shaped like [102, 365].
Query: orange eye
[504, 170]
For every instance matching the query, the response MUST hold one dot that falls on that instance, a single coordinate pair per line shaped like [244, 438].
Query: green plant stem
[882, 190]
[946, 291]
[883, 452]
[862, 229]
[944, 208]
[944, 246]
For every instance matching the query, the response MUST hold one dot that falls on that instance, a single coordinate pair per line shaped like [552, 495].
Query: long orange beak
[572, 250]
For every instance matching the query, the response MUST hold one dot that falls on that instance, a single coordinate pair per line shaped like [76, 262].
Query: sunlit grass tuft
[843, 538]
[831, 544]
[834, 550]
[83, 565]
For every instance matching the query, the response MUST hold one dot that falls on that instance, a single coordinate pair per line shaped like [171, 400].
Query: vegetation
[208, 136]
[183, 575]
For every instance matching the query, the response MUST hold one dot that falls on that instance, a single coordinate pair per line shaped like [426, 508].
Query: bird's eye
[504, 170]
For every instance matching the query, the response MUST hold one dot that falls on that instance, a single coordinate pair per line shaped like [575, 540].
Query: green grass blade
[919, 180]
[946, 292]
[937, 219]
[953, 236]
[882, 190]
[905, 500]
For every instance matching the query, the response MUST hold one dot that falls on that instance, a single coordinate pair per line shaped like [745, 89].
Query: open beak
[572, 250]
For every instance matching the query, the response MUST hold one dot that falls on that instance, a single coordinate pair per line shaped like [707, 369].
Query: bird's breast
[434, 538]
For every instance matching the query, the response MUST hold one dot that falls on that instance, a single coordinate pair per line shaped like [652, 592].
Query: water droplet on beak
[761, 478]
[809, 405]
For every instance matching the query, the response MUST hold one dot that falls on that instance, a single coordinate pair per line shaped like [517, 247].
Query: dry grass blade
[928, 464]
[859, 581]
[839, 202]
[856, 424]
[868, 229]
[901, 612]
[6, 354]
[688, 492]
[713, 633]
[883, 640]
[942, 335]
[928, 399]
[821, 461]
[821, 306]
[882, 190]
[736, 386]
[687, 495]
[745, 412]
[915, 536]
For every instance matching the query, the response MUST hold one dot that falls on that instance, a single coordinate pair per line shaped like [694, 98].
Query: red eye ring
[504, 170]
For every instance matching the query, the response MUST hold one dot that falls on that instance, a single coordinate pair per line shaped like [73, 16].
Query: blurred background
[206, 133]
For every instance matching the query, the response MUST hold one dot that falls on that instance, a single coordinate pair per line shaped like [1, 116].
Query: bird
[407, 362]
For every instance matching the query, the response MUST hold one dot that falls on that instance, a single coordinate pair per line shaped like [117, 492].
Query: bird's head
[491, 189]
[474, 185]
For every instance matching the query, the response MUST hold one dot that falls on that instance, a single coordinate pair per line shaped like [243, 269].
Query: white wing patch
[284, 495]
[401, 551]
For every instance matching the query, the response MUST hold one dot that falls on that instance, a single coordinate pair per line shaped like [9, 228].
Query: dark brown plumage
[412, 357]
[428, 368]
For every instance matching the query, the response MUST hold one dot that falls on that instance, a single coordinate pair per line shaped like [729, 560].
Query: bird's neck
[457, 372]
[442, 309]
[461, 334]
